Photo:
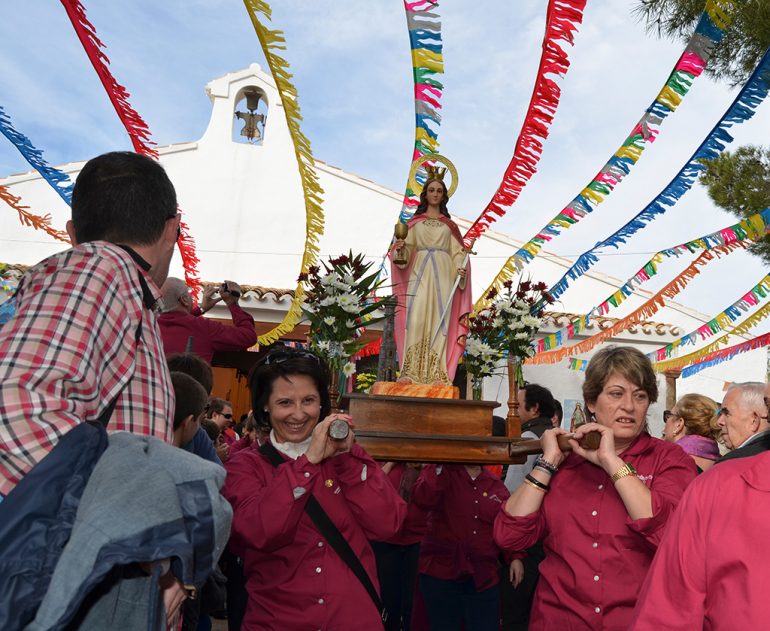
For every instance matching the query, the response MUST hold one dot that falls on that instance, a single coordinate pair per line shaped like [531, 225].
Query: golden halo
[416, 188]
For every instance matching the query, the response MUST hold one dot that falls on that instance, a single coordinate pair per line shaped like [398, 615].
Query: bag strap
[332, 534]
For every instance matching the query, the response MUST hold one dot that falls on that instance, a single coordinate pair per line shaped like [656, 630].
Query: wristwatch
[626, 469]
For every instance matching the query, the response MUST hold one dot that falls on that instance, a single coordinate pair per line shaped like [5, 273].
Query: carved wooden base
[421, 429]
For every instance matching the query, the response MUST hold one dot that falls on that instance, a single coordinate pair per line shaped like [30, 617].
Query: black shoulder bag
[336, 539]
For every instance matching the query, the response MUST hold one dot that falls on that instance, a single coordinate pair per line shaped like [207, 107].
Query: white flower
[322, 346]
[330, 320]
[348, 278]
[330, 279]
[348, 369]
[497, 322]
[350, 323]
[328, 301]
[348, 303]
[522, 336]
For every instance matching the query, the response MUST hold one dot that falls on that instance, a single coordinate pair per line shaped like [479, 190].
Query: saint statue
[433, 289]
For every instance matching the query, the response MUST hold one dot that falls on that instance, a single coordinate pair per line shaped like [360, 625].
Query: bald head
[176, 296]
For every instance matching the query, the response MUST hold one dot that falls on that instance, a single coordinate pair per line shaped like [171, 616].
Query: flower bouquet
[339, 304]
[510, 322]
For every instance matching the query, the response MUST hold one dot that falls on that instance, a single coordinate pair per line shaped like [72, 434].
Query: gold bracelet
[534, 486]
[626, 469]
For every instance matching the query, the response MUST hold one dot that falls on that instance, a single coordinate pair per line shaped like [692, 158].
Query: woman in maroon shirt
[601, 516]
[294, 579]
[459, 561]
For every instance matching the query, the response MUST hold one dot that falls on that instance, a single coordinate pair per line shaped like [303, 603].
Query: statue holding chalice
[431, 280]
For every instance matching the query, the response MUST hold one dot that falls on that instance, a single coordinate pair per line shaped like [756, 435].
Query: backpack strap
[332, 534]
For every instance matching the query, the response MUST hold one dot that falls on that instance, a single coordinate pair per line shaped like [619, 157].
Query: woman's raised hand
[322, 446]
[549, 442]
[605, 456]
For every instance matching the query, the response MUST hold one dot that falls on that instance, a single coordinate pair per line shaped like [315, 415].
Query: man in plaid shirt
[85, 329]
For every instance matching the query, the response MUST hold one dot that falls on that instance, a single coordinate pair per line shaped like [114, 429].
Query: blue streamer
[59, 181]
[742, 109]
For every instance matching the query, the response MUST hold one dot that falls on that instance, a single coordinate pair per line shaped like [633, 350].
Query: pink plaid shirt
[71, 348]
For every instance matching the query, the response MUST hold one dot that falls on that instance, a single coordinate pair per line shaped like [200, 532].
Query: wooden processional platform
[428, 429]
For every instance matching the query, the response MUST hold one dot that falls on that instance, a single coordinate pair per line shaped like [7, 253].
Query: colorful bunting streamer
[742, 109]
[314, 218]
[27, 218]
[135, 126]
[424, 27]
[59, 181]
[749, 229]
[578, 364]
[720, 322]
[709, 31]
[563, 18]
[645, 311]
[726, 354]
[743, 328]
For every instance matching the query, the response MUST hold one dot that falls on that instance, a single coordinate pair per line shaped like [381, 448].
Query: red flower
[525, 285]
[302, 278]
[508, 284]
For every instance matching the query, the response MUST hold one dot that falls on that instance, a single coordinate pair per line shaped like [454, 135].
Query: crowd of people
[283, 521]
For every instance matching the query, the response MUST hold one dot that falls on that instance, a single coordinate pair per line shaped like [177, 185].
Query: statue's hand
[399, 243]
[461, 272]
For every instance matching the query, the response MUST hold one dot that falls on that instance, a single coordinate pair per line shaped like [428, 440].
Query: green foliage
[739, 182]
[744, 42]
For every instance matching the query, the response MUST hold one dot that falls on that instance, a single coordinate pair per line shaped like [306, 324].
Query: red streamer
[137, 129]
[562, 21]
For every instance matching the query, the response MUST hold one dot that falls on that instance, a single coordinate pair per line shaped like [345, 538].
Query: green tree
[744, 42]
[739, 182]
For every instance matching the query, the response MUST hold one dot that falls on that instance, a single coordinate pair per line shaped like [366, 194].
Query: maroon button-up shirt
[712, 569]
[294, 579]
[208, 335]
[596, 556]
[459, 542]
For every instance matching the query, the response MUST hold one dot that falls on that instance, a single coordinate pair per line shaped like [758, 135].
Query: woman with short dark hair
[599, 512]
[294, 579]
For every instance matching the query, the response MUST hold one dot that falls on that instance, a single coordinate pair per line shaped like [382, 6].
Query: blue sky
[352, 69]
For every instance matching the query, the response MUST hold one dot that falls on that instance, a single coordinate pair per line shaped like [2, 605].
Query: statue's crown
[435, 173]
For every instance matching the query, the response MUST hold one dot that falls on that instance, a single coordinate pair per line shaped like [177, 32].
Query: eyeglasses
[279, 357]
[667, 414]
[229, 417]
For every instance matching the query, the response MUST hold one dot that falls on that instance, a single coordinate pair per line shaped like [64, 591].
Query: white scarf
[292, 450]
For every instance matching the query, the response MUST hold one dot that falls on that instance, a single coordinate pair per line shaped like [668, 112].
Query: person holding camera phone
[183, 327]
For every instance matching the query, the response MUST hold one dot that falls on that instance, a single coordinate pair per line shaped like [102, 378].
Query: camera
[229, 287]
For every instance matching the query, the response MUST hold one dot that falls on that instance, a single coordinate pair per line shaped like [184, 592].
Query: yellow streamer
[720, 12]
[427, 59]
[312, 191]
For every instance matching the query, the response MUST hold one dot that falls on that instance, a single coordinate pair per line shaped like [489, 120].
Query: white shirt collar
[292, 450]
